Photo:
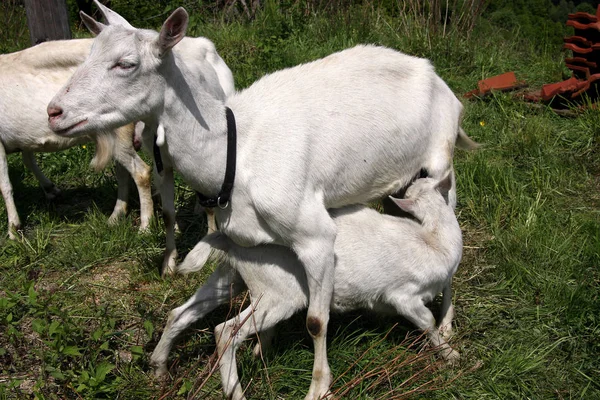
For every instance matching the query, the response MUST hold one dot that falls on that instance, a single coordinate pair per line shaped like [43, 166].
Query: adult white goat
[29, 79]
[383, 263]
[203, 63]
[346, 129]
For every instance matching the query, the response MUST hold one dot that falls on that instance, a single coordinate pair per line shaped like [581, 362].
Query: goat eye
[125, 65]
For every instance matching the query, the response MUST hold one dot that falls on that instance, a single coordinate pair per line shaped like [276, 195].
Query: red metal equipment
[505, 82]
[584, 64]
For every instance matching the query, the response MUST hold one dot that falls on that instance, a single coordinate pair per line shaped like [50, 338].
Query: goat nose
[54, 111]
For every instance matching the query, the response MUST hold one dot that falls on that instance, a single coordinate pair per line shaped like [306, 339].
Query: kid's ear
[94, 26]
[444, 185]
[172, 31]
[406, 205]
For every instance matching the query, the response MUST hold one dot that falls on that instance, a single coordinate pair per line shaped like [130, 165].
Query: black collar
[222, 198]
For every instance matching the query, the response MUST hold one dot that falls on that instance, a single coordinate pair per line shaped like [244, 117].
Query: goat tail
[212, 247]
[465, 142]
[105, 148]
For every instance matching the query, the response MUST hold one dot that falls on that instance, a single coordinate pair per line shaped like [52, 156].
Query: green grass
[82, 305]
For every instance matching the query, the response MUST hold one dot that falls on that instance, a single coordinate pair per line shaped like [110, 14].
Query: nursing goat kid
[346, 129]
[30, 78]
[383, 263]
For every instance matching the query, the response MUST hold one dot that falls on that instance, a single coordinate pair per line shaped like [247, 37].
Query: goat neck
[195, 127]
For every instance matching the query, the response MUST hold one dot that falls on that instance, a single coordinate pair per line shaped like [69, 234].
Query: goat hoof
[446, 333]
[257, 350]
[319, 387]
[168, 265]
[144, 228]
[161, 374]
[317, 396]
[159, 369]
[52, 192]
[113, 219]
[452, 358]
[14, 232]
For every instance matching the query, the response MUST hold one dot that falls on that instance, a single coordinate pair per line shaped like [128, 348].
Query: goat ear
[407, 205]
[173, 30]
[111, 17]
[94, 26]
[444, 185]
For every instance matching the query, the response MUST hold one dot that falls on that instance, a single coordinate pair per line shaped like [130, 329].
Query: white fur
[204, 64]
[383, 263]
[346, 129]
[28, 80]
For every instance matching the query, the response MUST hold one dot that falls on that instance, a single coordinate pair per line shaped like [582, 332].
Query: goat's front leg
[133, 165]
[167, 196]
[14, 223]
[50, 190]
[120, 208]
[313, 242]
[210, 216]
[128, 159]
[221, 286]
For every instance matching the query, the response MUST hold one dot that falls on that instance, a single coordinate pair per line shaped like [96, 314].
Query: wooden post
[47, 20]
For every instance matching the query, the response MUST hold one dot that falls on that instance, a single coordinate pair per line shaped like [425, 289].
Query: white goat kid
[203, 63]
[347, 129]
[28, 80]
[383, 263]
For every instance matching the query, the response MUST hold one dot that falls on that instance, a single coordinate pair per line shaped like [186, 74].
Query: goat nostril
[54, 112]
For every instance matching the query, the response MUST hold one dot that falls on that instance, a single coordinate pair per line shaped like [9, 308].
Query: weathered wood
[47, 20]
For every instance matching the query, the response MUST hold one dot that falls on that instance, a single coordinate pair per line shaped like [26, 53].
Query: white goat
[346, 129]
[383, 263]
[28, 80]
[203, 63]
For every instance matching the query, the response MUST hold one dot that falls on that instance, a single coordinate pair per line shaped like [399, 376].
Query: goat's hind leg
[265, 341]
[221, 286]
[415, 311]
[446, 312]
[262, 315]
[14, 223]
[50, 190]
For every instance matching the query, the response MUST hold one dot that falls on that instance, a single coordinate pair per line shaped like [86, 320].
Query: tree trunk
[47, 20]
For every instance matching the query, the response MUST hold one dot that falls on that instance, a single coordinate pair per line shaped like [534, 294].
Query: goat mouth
[69, 130]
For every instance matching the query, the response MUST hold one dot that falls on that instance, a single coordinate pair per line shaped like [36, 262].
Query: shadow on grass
[72, 204]
[398, 357]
